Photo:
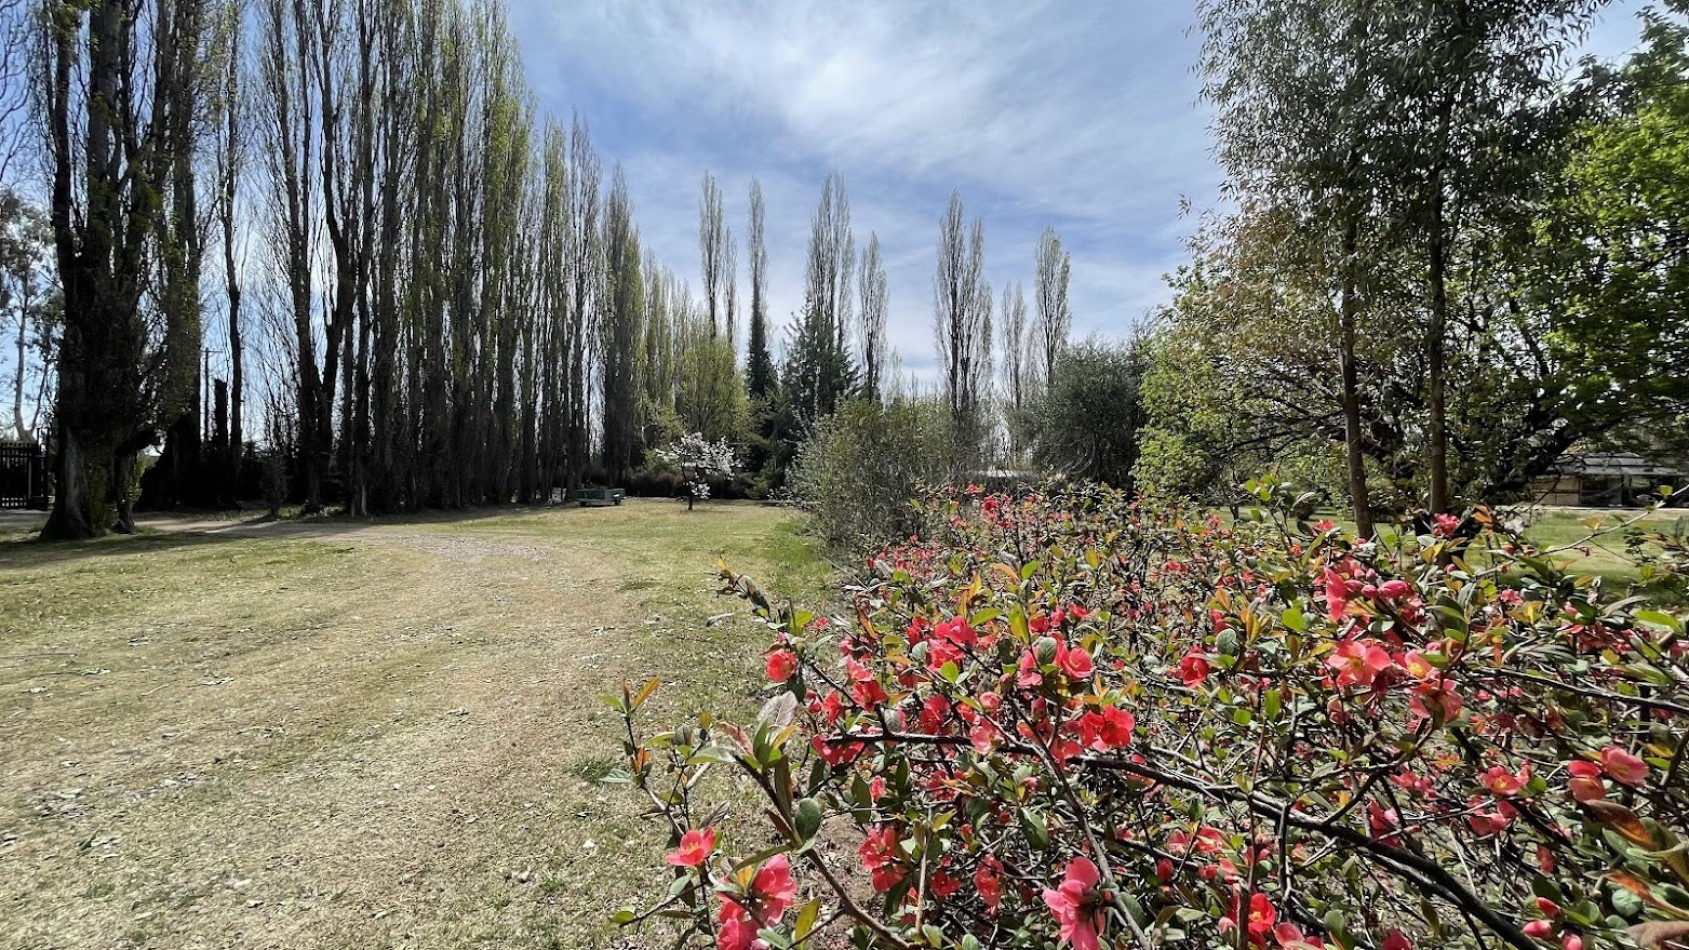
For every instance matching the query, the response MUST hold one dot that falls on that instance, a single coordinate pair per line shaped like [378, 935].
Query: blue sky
[1083, 116]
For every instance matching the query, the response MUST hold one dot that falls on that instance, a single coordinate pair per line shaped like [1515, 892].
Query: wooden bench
[599, 496]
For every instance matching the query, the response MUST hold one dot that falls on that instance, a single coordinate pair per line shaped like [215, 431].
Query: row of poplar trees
[452, 289]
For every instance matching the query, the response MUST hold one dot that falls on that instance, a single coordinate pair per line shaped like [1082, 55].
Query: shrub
[862, 467]
[1084, 720]
[1088, 421]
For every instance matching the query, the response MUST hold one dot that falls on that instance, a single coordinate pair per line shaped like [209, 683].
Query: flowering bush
[1085, 721]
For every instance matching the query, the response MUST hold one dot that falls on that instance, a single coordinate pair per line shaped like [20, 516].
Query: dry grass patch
[339, 734]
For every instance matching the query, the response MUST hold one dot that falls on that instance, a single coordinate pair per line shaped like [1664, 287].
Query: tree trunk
[1435, 354]
[1349, 307]
[17, 382]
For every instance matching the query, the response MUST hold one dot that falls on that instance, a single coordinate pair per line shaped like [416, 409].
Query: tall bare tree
[179, 35]
[229, 157]
[712, 250]
[1054, 320]
[831, 258]
[1014, 364]
[759, 361]
[585, 277]
[621, 311]
[962, 320]
[875, 300]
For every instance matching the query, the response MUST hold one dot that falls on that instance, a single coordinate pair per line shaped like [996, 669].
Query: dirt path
[344, 735]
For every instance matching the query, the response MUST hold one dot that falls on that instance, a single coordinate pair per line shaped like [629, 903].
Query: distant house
[1605, 480]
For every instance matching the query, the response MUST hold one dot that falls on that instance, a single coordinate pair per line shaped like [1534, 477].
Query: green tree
[1090, 416]
[1612, 249]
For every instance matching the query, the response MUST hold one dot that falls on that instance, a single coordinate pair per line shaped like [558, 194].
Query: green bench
[599, 496]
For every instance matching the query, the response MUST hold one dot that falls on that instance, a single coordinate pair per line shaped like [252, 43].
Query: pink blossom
[1077, 905]
[695, 848]
[1623, 767]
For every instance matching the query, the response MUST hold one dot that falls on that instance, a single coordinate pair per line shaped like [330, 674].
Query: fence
[23, 475]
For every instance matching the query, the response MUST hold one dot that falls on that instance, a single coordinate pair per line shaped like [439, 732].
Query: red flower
[835, 753]
[1029, 676]
[1358, 662]
[695, 848]
[735, 930]
[772, 892]
[1445, 526]
[1259, 923]
[1106, 730]
[1505, 784]
[1075, 663]
[1290, 937]
[879, 855]
[1623, 767]
[1077, 905]
[957, 631]
[1585, 783]
[868, 694]
[1436, 701]
[1193, 669]
[781, 665]
[1396, 940]
[988, 880]
[774, 887]
[1336, 594]
[943, 886]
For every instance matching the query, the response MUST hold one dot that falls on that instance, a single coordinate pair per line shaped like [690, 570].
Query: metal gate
[23, 475]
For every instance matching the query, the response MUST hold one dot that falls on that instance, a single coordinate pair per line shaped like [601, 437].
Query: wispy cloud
[1081, 116]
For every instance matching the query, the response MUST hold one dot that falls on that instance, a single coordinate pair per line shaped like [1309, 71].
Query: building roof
[1613, 464]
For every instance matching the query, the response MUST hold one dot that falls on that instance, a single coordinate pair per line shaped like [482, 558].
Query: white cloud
[1083, 116]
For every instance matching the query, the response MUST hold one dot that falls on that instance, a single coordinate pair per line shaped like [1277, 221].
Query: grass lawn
[1550, 528]
[334, 734]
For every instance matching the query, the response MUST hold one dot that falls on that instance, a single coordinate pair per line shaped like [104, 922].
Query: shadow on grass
[166, 531]
[26, 551]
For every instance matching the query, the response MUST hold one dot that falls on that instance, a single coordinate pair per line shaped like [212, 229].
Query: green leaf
[719, 755]
[1037, 833]
[806, 919]
[807, 818]
[1655, 618]
[1294, 619]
